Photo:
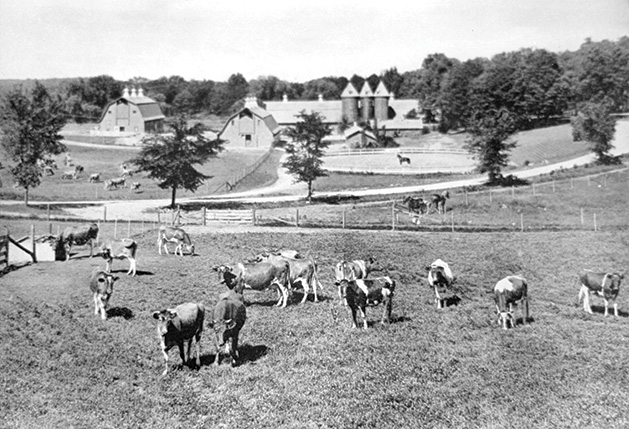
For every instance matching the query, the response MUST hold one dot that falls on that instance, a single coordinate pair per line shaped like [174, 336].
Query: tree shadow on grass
[123, 312]
[599, 309]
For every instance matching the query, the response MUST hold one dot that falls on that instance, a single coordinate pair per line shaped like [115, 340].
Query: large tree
[594, 124]
[170, 158]
[490, 140]
[30, 133]
[306, 148]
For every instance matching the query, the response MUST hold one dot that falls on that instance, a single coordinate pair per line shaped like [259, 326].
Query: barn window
[248, 137]
[109, 112]
[134, 111]
[121, 129]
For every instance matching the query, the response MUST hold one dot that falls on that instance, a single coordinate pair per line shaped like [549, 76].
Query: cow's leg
[285, 295]
[165, 354]
[132, 266]
[606, 306]
[108, 265]
[159, 245]
[96, 307]
[314, 286]
[234, 350]
[197, 341]
[353, 310]
[586, 300]
[181, 347]
[363, 314]
[525, 310]
[68, 248]
[615, 308]
[280, 296]
[304, 284]
[91, 249]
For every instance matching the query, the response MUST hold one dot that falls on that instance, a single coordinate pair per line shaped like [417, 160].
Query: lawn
[303, 366]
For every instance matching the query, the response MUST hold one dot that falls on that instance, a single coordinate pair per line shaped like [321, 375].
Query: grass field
[303, 366]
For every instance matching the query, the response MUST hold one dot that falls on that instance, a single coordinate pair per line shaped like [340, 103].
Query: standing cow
[606, 285]
[358, 269]
[507, 292]
[440, 278]
[102, 286]
[259, 277]
[174, 326]
[79, 236]
[125, 248]
[230, 314]
[173, 234]
[303, 271]
[361, 293]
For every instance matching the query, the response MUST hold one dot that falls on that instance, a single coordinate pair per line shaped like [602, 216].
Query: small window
[248, 137]
[109, 112]
[134, 111]
[121, 129]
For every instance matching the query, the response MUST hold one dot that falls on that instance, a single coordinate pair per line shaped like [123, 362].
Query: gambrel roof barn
[133, 113]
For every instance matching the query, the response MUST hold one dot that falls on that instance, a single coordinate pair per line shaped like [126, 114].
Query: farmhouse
[133, 113]
[251, 127]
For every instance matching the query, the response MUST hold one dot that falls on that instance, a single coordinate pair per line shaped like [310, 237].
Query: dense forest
[534, 84]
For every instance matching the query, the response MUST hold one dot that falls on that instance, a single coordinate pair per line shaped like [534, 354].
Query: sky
[293, 40]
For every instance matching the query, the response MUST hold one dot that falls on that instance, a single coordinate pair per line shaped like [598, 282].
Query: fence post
[595, 229]
[490, 198]
[512, 192]
[116, 228]
[204, 221]
[297, 217]
[34, 248]
[393, 216]
[253, 216]
[48, 211]
[581, 215]
[521, 222]
[50, 229]
[104, 213]
[466, 201]
[452, 217]
[142, 225]
[158, 220]
[343, 217]
[571, 183]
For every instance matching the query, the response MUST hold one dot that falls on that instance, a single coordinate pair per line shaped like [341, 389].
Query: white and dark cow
[94, 178]
[361, 293]
[258, 277]
[78, 235]
[230, 315]
[606, 285]
[302, 271]
[507, 293]
[119, 182]
[125, 248]
[352, 270]
[173, 234]
[102, 287]
[177, 325]
[440, 278]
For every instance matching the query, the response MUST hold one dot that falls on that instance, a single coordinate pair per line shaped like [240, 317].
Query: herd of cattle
[285, 269]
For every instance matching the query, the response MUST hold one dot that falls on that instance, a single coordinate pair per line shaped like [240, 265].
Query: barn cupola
[349, 98]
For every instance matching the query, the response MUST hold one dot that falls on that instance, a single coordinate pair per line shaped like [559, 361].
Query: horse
[439, 202]
[403, 160]
[415, 205]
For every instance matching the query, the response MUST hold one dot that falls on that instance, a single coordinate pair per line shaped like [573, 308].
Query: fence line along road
[379, 151]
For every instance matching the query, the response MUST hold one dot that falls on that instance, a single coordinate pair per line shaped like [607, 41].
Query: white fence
[400, 170]
[381, 151]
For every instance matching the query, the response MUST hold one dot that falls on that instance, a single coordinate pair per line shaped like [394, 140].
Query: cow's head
[343, 285]
[373, 264]
[504, 315]
[223, 330]
[614, 280]
[106, 286]
[190, 248]
[93, 231]
[164, 320]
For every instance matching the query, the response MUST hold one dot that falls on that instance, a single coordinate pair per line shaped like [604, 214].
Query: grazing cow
[506, 293]
[606, 285]
[287, 253]
[79, 236]
[438, 201]
[115, 183]
[440, 278]
[259, 276]
[182, 323]
[229, 317]
[303, 271]
[48, 171]
[353, 270]
[173, 234]
[415, 205]
[403, 159]
[94, 178]
[360, 293]
[102, 286]
[120, 249]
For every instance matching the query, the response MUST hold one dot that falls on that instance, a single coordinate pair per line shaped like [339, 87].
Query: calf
[174, 326]
[229, 317]
[135, 186]
[79, 236]
[353, 270]
[360, 293]
[606, 285]
[303, 271]
[440, 278]
[173, 234]
[259, 276]
[102, 286]
[506, 293]
[439, 202]
[120, 249]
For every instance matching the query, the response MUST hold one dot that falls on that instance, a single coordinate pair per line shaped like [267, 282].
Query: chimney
[125, 93]
[285, 98]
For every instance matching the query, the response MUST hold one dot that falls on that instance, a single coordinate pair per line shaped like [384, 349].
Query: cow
[287, 253]
[94, 178]
[115, 183]
[415, 205]
[120, 249]
[229, 317]
[440, 279]
[506, 293]
[403, 159]
[179, 324]
[303, 271]
[603, 284]
[358, 269]
[173, 234]
[259, 276]
[68, 175]
[102, 286]
[438, 201]
[361, 293]
[79, 236]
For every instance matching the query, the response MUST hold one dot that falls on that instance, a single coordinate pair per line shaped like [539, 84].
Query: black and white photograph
[327, 214]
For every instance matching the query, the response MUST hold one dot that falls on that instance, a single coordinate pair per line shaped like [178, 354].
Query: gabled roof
[355, 129]
[349, 91]
[366, 91]
[265, 116]
[382, 91]
[286, 113]
[149, 108]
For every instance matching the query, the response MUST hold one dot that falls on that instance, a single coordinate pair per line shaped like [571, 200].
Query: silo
[366, 102]
[381, 101]
[349, 99]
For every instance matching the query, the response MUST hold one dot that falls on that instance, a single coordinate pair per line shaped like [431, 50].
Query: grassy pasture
[303, 366]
